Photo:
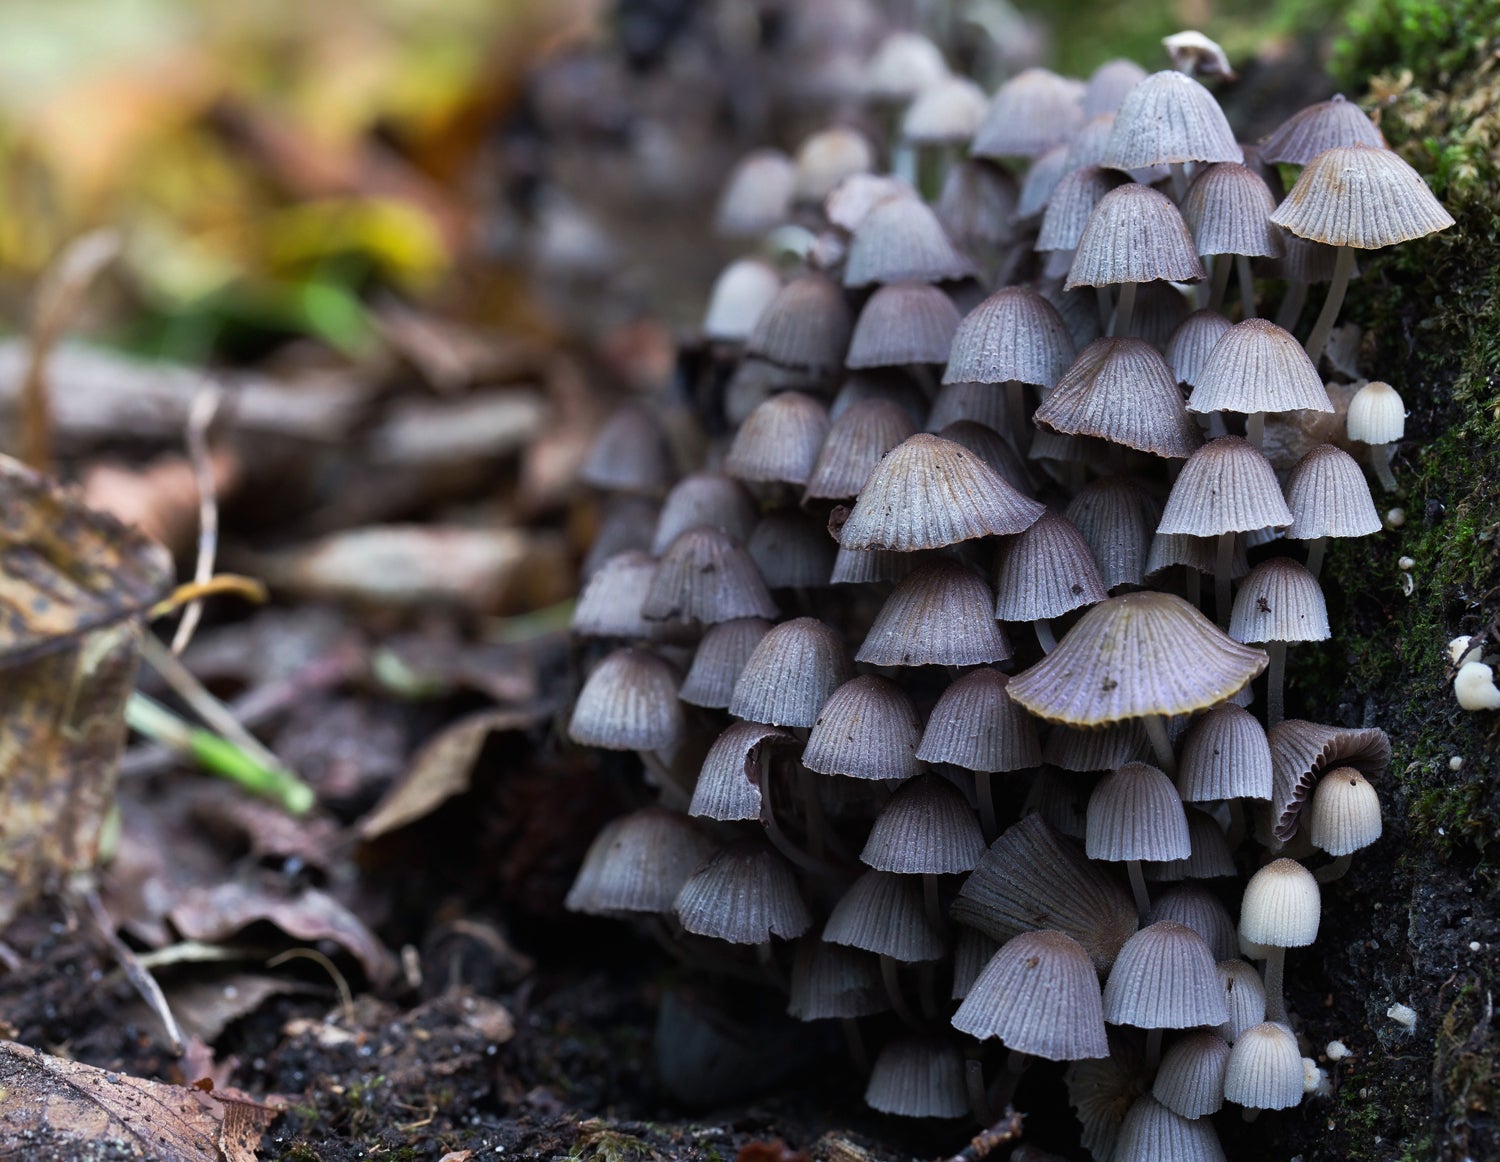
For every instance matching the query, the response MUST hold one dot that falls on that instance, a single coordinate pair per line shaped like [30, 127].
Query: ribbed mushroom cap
[740, 295]
[744, 894]
[1087, 145]
[1189, 345]
[1195, 907]
[1122, 390]
[901, 240]
[1344, 813]
[792, 550]
[1211, 857]
[976, 726]
[848, 204]
[1153, 1133]
[1256, 366]
[1135, 234]
[1015, 335]
[1134, 813]
[629, 702]
[977, 204]
[1301, 751]
[779, 440]
[1040, 995]
[1028, 115]
[706, 576]
[1225, 756]
[1047, 571]
[1109, 84]
[904, 64]
[806, 325]
[927, 828]
[755, 380]
[1102, 748]
[1164, 978]
[718, 660]
[829, 980]
[1376, 414]
[858, 439]
[827, 158]
[791, 673]
[1072, 203]
[1160, 308]
[972, 950]
[892, 386]
[973, 405]
[1101, 1091]
[610, 604]
[883, 913]
[1170, 118]
[1138, 654]
[638, 863]
[1264, 1071]
[630, 454]
[1226, 486]
[1197, 553]
[1280, 601]
[1116, 515]
[929, 492]
[1244, 994]
[859, 567]
[1228, 211]
[1281, 907]
[941, 614]
[626, 524]
[1040, 179]
[948, 112]
[1308, 132]
[1357, 196]
[1032, 878]
[919, 1077]
[1190, 1080]
[868, 729]
[758, 195]
[904, 322]
[728, 785]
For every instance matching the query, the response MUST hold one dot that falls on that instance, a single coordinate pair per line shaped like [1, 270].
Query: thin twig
[213, 712]
[200, 416]
[312, 954]
[137, 973]
[1006, 1130]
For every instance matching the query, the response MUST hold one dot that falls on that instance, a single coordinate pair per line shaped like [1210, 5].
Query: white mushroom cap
[1376, 414]
[1265, 1069]
[1475, 687]
[1282, 906]
[1344, 813]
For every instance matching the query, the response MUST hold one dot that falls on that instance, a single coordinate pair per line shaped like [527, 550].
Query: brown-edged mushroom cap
[902, 323]
[779, 440]
[1167, 119]
[941, 614]
[1357, 196]
[1325, 125]
[901, 240]
[1047, 571]
[1040, 995]
[976, 726]
[1135, 234]
[1122, 390]
[791, 673]
[927, 828]
[806, 325]
[629, 702]
[744, 894]
[706, 576]
[1164, 978]
[1014, 336]
[858, 438]
[1028, 115]
[868, 729]
[1225, 756]
[1257, 366]
[718, 660]
[1226, 486]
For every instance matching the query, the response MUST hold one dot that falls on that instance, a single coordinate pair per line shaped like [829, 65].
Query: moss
[598, 1142]
[1434, 39]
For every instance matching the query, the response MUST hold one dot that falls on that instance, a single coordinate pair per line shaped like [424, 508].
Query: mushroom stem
[1223, 566]
[1315, 551]
[979, 1098]
[1335, 870]
[1015, 415]
[1220, 284]
[1153, 1049]
[1380, 460]
[1194, 586]
[1255, 429]
[888, 974]
[1179, 181]
[1275, 678]
[1123, 311]
[1138, 887]
[1291, 306]
[673, 793]
[1247, 286]
[1343, 267]
[1275, 1005]
[1156, 731]
[1106, 307]
[778, 837]
[984, 791]
[932, 903]
[854, 1041]
[765, 956]
[1044, 635]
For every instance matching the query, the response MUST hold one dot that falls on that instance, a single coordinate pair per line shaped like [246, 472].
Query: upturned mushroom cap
[1328, 496]
[1280, 601]
[904, 64]
[1153, 1133]
[1134, 813]
[827, 158]
[1226, 486]
[792, 550]
[706, 576]
[1264, 1071]
[1164, 978]
[744, 894]
[758, 195]
[941, 614]
[1281, 907]
[1109, 85]
[610, 604]
[638, 863]
[740, 295]
[904, 322]
[1344, 813]
[1169, 118]
[1244, 994]
[1301, 751]
[919, 1077]
[1134, 655]
[728, 785]
[718, 660]
[948, 112]
[806, 325]
[1047, 571]
[883, 913]
[1257, 366]
[1072, 203]
[976, 726]
[629, 702]
[901, 240]
[927, 828]
[630, 454]
[1228, 210]
[1116, 516]
[1308, 132]
[1357, 196]
[1122, 390]
[868, 729]
[858, 439]
[1189, 345]
[1225, 756]
[1190, 1080]
[1135, 234]
[1376, 414]
[830, 980]
[929, 492]
[1040, 995]
[1015, 335]
[791, 673]
[779, 440]
[704, 498]
[1028, 115]
[1040, 179]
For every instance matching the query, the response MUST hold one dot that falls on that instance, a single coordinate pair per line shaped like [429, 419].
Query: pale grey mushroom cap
[859, 437]
[1160, 308]
[901, 240]
[1167, 119]
[1343, 815]
[1210, 858]
[1122, 390]
[792, 550]
[1308, 132]
[1194, 906]
[1328, 496]
[744, 894]
[903, 323]
[1189, 345]
[740, 295]
[904, 65]
[927, 828]
[1015, 335]
[1361, 197]
[1280, 601]
[704, 498]
[706, 576]
[610, 604]
[1040, 179]
[883, 913]
[1257, 366]
[1040, 995]
[628, 702]
[791, 673]
[830, 980]
[1134, 813]
[1135, 234]
[1197, 553]
[807, 325]
[1046, 571]
[1281, 907]
[1228, 211]
[638, 863]
[1190, 1080]
[718, 660]
[981, 404]
[1029, 114]
[1087, 145]
[1225, 756]
[977, 204]
[868, 729]
[1099, 748]
[827, 158]
[1061, 798]
[626, 523]
[1164, 978]
[1072, 203]
[861, 566]
[976, 726]
[630, 454]
[1301, 751]
[1226, 486]
[728, 785]
[1264, 1071]
[779, 440]
[941, 614]
[758, 195]
[947, 112]
[1244, 994]
[919, 1077]
[1109, 85]
[1101, 1091]
[1116, 516]
[972, 950]
[1153, 1133]
[893, 386]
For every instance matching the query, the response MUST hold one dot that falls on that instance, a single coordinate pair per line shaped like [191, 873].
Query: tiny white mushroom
[1475, 687]
[1403, 1015]
[1458, 648]
[1336, 1051]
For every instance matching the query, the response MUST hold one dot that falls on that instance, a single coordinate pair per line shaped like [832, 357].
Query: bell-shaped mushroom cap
[1197, 908]
[868, 729]
[1308, 132]
[829, 980]
[1228, 211]
[1104, 748]
[706, 576]
[626, 524]
[976, 726]
[1190, 1080]
[1280, 601]
[704, 498]
[718, 660]
[1122, 390]
[780, 440]
[927, 828]
[1116, 515]
[1072, 203]
[859, 437]
[1087, 146]
[859, 567]
[1160, 308]
[1028, 115]
[728, 785]
[1256, 366]
[806, 325]
[1109, 84]
[892, 386]
[1244, 994]
[740, 295]
[744, 894]
[977, 204]
[1366, 198]
[854, 197]
[941, 614]
[1225, 756]
[973, 405]
[1164, 978]
[827, 158]
[610, 604]
[792, 550]
[630, 454]
[1153, 1133]
[948, 112]
[1226, 486]
[1189, 345]
[1197, 553]
[638, 863]
[758, 195]
[1040, 995]
[1135, 234]
[1047, 571]
[883, 913]
[1040, 179]
[1264, 1070]
[929, 492]
[1344, 814]
[1134, 655]
[918, 1077]
[629, 702]
[793, 670]
[1301, 751]
[972, 950]
[903, 65]
[904, 322]
[1014, 336]
[1281, 907]
[1167, 119]
[1032, 878]
[1102, 1090]
[1328, 496]
[901, 240]
[1134, 813]
[1376, 414]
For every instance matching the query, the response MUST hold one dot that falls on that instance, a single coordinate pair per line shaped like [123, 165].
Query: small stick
[137, 973]
[1003, 1132]
[205, 407]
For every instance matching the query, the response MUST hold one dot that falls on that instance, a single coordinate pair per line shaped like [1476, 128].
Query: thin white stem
[1124, 310]
[1044, 635]
[1106, 307]
[1247, 286]
[1223, 566]
[1223, 264]
[1343, 267]
[1291, 306]
[1275, 1004]
[1315, 551]
[1380, 460]
[1156, 731]
[1255, 429]
[1138, 888]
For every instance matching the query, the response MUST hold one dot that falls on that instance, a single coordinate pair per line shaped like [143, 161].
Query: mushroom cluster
[947, 737]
